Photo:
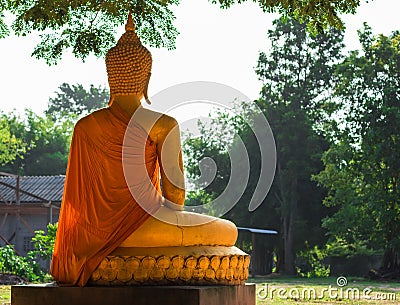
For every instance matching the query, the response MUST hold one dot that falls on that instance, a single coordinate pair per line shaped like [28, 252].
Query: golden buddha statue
[118, 225]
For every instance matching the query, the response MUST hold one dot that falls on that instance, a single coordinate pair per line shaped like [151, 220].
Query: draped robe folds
[99, 210]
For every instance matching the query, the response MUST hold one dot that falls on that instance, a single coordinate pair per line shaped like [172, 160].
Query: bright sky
[213, 45]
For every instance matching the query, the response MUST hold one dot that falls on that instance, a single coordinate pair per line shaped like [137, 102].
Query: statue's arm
[171, 165]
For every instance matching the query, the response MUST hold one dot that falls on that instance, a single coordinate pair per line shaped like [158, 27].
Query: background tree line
[335, 119]
[336, 122]
[35, 144]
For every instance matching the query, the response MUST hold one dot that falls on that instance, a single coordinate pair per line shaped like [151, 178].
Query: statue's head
[128, 65]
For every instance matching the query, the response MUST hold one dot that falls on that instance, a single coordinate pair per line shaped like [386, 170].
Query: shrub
[313, 266]
[339, 247]
[44, 242]
[28, 266]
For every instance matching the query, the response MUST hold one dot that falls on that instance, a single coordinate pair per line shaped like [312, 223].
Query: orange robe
[98, 210]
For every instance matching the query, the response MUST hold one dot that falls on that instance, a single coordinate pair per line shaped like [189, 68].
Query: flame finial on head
[130, 25]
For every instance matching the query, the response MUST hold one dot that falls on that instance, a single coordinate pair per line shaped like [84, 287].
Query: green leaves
[39, 145]
[44, 242]
[88, 27]
[76, 100]
[317, 15]
[46, 143]
[362, 166]
[4, 31]
[297, 76]
[28, 266]
[11, 147]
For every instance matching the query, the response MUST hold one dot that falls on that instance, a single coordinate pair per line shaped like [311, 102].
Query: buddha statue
[122, 220]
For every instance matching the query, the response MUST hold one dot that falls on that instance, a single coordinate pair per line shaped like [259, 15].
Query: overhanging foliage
[89, 26]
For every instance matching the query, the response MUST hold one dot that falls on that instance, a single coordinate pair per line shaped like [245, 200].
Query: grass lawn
[283, 290]
[292, 290]
[5, 294]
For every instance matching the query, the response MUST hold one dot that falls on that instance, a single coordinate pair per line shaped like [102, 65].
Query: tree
[11, 147]
[76, 100]
[88, 26]
[39, 145]
[28, 266]
[47, 145]
[318, 15]
[362, 166]
[209, 169]
[297, 77]
[212, 177]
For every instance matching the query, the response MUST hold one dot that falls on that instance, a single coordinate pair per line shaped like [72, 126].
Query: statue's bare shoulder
[158, 125]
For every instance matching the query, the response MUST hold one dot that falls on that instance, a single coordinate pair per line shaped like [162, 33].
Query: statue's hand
[173, 206]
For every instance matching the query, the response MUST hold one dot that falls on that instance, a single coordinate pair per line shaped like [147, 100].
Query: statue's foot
[170, 228]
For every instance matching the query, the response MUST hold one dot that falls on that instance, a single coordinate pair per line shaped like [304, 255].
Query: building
[27, 204]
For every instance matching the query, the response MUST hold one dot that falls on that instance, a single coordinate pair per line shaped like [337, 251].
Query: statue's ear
[110, 102]
[146, 86]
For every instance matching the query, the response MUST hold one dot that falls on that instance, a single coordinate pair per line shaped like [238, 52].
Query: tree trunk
[288, 244]
[288, 223]
[391, 261]
[279, 259]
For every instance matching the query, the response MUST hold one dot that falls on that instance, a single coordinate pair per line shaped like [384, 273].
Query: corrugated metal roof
[47, 187]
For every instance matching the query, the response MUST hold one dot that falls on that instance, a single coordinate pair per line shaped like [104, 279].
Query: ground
[282, 290]
[5, 294]
[293, 290]
[6, 280]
